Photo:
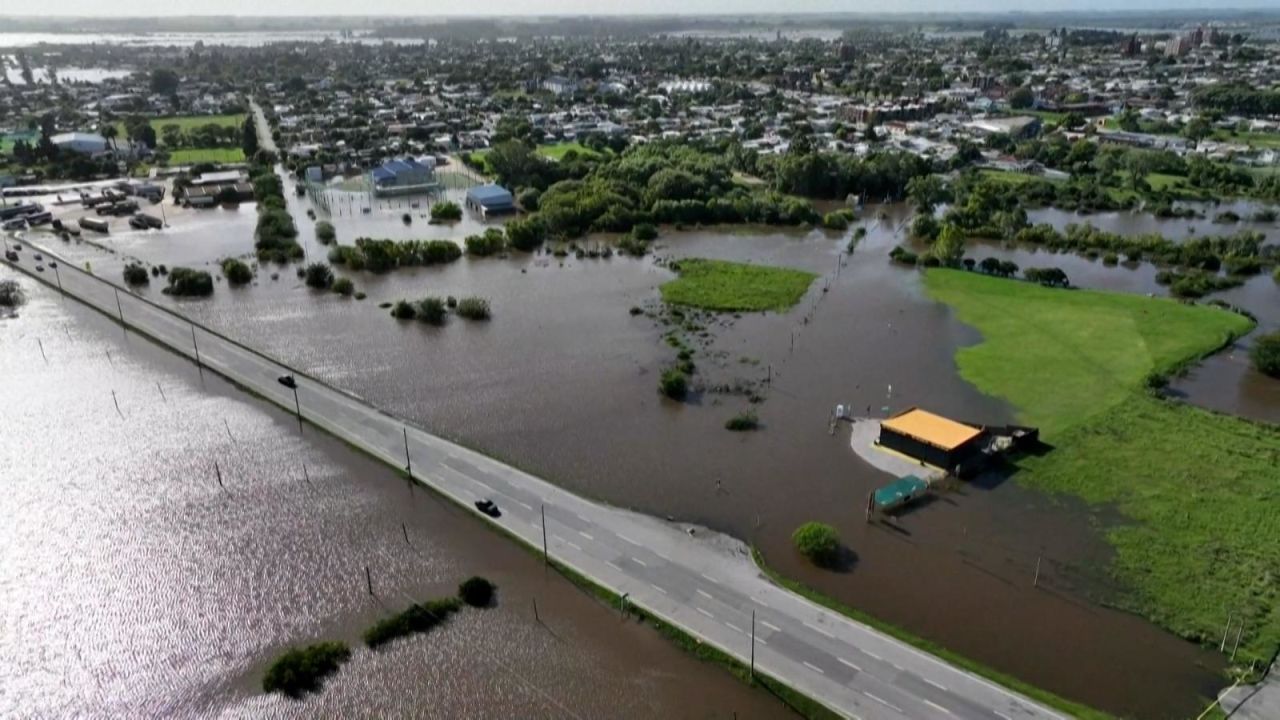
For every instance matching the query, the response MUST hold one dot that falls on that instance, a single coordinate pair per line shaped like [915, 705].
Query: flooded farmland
[134, 584]
[562, 382]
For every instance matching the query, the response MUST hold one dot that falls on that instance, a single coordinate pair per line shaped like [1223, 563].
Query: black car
[288, 381]
[488, 508]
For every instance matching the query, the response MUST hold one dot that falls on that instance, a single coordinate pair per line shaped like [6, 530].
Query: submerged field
[1199, 538]
[730, 286]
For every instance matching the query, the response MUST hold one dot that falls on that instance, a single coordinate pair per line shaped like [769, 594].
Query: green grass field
[1062, 356]
[1197, 489]
[554, 151]
[192, 156]
[1013, 178]
[729, 286]
[186, 122]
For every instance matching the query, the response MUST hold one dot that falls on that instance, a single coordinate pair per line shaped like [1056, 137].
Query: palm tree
[109, 134]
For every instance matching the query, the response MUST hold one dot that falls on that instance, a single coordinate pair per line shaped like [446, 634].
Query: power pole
[297, 406]
[752, 676]
[408, 462]
[119, 309]
[545, 561]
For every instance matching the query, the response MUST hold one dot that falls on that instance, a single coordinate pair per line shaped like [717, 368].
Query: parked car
[488, 508]
[288, 381]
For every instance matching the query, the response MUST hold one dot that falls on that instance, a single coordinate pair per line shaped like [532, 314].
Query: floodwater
[188, 39]
[134, 584]
[562, 381]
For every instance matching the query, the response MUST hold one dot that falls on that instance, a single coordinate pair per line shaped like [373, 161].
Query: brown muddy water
[132, 585]
[563, 382]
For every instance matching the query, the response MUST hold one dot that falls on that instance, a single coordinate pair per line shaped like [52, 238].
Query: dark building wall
[914, 448]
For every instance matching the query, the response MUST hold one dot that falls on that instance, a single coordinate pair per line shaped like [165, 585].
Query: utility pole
[196, 345]
[297, 406]
[368, 579]
[119, 309]
[1036, 582]
[408, 462]
[545, 561]
[752, 676]
[58, 275]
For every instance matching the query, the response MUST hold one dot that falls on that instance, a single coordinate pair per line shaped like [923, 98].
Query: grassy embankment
[729, 286]
[1198, 488]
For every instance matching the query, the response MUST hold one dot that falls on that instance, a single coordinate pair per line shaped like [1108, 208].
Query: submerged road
[701, 582]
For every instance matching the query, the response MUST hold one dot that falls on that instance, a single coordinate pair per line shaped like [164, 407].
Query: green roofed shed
[899, 492]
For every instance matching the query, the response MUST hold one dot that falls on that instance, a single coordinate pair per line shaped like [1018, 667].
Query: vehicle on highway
[488, 508]
[288, 381]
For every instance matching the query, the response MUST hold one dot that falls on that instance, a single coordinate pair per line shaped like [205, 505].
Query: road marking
[709, 578]
[943, 688]
[842, 661]
[811, 626]
[640, 562]
[1006, 717]
[585, 535]
[615, 567]
[872, 655]
[524, 505]
[758, 601]
[761, 641]
[813, 667]
[704, 612]
[627, 539]
[734, 628]
[655, 587]
[882, 701]
[936, 706]
[573, 545]
[704, 594]
[771, 626]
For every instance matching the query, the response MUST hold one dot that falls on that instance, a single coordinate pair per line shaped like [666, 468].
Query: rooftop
[933, 429]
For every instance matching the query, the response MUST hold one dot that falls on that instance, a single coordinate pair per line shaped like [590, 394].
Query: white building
[87, 143]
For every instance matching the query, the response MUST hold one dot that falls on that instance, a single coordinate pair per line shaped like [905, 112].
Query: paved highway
[702, 582]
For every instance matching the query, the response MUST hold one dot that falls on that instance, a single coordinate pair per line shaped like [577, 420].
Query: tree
[319, 275]
[164, 81]
[818, 542]
[446, 211]
[249, 136]
[109, 133]
[926, 191]
[171, 135]
[1021, 98]
[325, 232]
[1198, 129]
[949, 247]
[526, 235]
[476, 591]
[1265, 354]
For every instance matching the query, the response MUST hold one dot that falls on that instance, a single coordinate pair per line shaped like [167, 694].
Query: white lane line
[896, 666]
[709, 578]
[936, 706]
[771, 626]
[1006, 717]
[813, 667]
[704, 612]
[882, 701]
[573, 545]
[704, 594]
[627, 539]
[734, 628]
[585, 535]
[615, 567]
[872, 655]
[655, 587]
[640, 562]
[943, 688]
[761, 640]
[524, 505]
[842, 661]
[758, 601]
[811, 626]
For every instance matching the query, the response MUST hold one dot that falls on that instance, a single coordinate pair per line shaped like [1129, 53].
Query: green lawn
[1197, 490]
[557, 151]
[1252, 139]
[1013, 178]
[1062, 356]
[187, 122]
[191, 156]
[730, 286]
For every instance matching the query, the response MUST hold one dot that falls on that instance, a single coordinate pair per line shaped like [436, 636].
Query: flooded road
[562, 382]
[134, 584]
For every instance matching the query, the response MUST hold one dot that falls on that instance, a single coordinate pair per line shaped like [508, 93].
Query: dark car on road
[288, 381]
[488, 508]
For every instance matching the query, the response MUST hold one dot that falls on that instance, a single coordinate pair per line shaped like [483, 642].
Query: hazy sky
[581, 7]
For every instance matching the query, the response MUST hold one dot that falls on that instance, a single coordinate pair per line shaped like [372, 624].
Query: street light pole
[297, 406]
[753, 645]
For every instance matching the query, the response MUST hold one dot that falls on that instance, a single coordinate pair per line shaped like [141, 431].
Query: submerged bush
[492, 242]
[1265, 354]
[402, 310]
[191, 283]
[431, 310]
[742, 422]
[344, 286]
[236, 271]
[447, 211]
[473, 308]
[417, 618]
[136, 274]
[476, 591]
[11, 294]
[325, 232]
[818, 542]
[674, 384]
[301, 670]
[318, 275]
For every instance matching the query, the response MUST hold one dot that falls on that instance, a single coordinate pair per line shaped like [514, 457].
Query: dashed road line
[872, 655]
[936, 706]
[943, 688]
[524, 505]
[627, 539]
[585, 535]
[655, 587]
[734, 628]
[573, 545]
[1006, 717]
[704, 594]
[842, 661]
[771, 626]
[612, 565]
[704, 612]
[759, 602]
[813, 667]
[811, 626]
[709, 578]
[640, 562]
[882, 701]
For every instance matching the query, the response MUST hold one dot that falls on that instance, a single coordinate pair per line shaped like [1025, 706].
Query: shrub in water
[473, 308]
[674, 384]
[446, 211]
[344, 286]
[402, 310]
[301, 670]
[236, 271]
[818, 542]
[187, 282]
[11, 294]
[325, 232]
[417, 618]
[1265, 354]
[476, 591]
[136, 274]
[493, 241]
[644, 232]
[742, 422]
[319, 276]
[431, 310]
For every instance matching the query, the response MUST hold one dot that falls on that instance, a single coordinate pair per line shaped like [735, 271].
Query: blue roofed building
[491, 200]
[403, 176]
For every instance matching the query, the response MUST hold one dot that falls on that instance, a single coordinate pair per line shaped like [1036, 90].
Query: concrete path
[1254, 702]
[862, 438]
[703, 583]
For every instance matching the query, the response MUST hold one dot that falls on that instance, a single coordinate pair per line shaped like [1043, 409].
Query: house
[85, 143]
[402, 176]
[1019, 126]
[490, 200]
[932, 439]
